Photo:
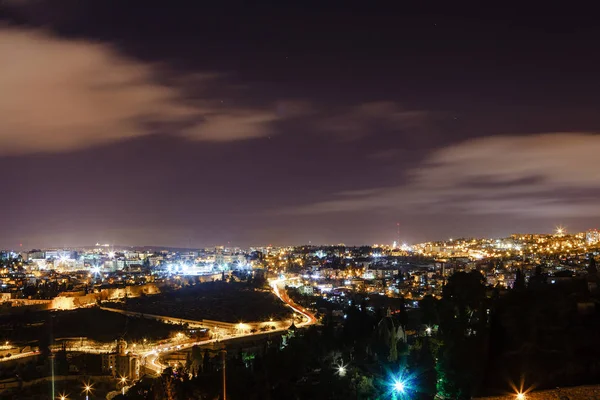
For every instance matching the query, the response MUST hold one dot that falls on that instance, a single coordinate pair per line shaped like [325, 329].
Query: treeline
[475, 340]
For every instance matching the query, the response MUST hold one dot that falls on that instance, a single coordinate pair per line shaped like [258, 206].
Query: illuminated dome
[121, 346]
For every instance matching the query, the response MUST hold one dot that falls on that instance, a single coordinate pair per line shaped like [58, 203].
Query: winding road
[151, 358]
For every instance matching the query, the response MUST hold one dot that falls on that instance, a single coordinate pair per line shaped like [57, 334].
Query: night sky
[137, 123]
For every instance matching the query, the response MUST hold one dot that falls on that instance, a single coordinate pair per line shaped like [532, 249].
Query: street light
[521, 396]
[123, 382]
[341, 369]
[87, 388]
[63, 397]
[399, 386]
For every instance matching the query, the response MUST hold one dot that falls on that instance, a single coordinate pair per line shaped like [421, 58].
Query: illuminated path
[151, 357]
[203, 323]
[283, 296]
[232, 331]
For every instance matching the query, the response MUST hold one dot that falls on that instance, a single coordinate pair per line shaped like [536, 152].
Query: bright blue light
[399, 386]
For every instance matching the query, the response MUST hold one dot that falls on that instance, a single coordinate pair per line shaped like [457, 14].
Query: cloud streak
[61, 95]
[357, 121]
[542, 175]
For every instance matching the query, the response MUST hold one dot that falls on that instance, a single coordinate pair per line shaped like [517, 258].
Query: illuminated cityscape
[319, 284]
[84, 275]
[280, 201]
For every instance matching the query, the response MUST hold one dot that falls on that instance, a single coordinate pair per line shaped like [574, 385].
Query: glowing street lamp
[241, 327]
[341, 369]
[521, 396]
[123, 382]
[62, 397]
[398, 386]
[428, 330]
[87, 388]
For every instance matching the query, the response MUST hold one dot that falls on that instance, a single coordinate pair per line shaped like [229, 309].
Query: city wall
[23, 305]
[573, 393]
[72, 300]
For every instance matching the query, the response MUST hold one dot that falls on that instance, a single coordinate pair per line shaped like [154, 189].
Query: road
[283, 296]
[204, 323]
[152, 358]
[56, 348]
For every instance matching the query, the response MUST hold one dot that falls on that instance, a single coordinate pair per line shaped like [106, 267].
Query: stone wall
[573, 393]
[22, 305]
[72, 301]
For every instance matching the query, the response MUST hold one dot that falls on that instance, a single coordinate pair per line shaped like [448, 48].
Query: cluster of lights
[481, 248]
[399, 385]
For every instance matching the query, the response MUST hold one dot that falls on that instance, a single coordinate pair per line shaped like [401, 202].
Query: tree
[61, 362]
[365, 389]
[428, 307]
[592, 269]
[44, 341]
[463, 300]
[424, 363]
[206, 362]
[519, 280]
[462, 320]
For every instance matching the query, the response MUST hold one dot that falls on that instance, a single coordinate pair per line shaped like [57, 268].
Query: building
[592, 236]
[122, 363]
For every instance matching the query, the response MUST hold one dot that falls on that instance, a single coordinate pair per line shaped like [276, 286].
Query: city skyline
[251, 129]
[558, 230]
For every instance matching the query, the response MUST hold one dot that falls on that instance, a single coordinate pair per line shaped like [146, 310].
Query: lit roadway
[151, 357]
[283, 296]
[55, 349]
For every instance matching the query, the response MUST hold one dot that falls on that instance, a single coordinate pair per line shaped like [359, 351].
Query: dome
[121, 346]
[388, 322]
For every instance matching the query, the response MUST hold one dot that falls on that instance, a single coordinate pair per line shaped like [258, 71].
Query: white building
[122, 363]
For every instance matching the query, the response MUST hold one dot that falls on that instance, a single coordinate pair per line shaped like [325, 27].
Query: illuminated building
[592, 236]
[122, 363]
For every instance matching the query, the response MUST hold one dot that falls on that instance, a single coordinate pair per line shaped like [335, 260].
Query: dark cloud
[531, 176]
